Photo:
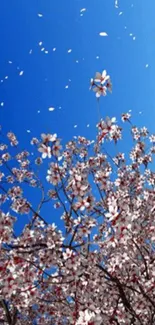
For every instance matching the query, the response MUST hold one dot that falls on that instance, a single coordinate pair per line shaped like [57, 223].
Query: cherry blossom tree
[99, 267]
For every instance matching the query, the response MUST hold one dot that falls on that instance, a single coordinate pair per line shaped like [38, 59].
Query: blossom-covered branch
[96, 264]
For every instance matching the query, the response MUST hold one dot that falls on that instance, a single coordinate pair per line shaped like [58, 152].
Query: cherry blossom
[48, 137]
[100, 91]
[46, 151]
[86, 252]
[101, 77]
[101, 83]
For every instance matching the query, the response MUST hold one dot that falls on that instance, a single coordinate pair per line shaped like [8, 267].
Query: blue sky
[45, 76]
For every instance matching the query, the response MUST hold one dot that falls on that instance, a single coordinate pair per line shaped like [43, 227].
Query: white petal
[41, 149]
[83, 9]
[97, 80]
[54, 136]
[51, 109]
[69, 51]
[113, 120]
[40, 15]
[116, 3]
[104, 73]
[44, 155]
[103, 34]
[21, 73]
[95, 89]
[43, 135]
[98, 95]
[98, 76]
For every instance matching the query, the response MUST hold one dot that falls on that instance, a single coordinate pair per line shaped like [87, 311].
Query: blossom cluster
[96, 264]
[101, 83]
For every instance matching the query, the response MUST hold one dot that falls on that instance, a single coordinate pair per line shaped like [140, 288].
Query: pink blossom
[48, 137]
[46, 151]
[101, 77]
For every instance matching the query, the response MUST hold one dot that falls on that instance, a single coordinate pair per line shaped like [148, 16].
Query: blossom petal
[104, 73]
[98, 94]
[103, 34]
[98, 76]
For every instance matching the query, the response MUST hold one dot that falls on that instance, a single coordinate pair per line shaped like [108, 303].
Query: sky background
[127, 53]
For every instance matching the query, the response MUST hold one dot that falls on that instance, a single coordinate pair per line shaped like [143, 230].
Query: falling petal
[46, 52]
[54, 49]
[83, 9]
[120, 13]
[134, 38]
[69, 51]
[40, 43]
[21, 73]
[103, 34]
[146, 66]
[116, 3]
[66, 86]
[2, 104]
[30, 52]
[51, 109]
[40, 15]
[42, 49]
[6, 77]
[10, 62]
[75, 126]
[28, 131]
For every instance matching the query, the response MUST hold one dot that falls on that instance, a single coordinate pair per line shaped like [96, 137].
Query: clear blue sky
[45, 76]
